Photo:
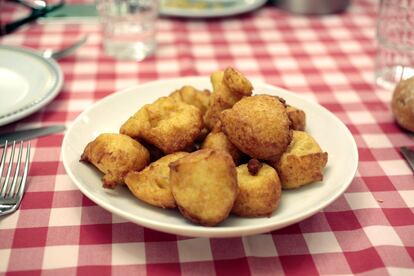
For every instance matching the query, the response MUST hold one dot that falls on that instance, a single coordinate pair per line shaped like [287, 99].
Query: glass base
[388, 78]
[137, 51]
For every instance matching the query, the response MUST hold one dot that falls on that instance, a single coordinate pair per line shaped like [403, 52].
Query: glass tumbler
[395, 42]
[129, 27]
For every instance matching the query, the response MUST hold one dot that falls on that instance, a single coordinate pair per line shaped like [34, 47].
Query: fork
[13, 183]
[57, 54]
[408, 152]
[408, 155]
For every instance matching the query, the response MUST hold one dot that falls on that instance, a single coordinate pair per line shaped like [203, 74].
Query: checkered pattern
[369, 230]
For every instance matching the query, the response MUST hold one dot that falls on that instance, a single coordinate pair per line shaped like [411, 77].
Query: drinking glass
[395, 42]
[129, 27]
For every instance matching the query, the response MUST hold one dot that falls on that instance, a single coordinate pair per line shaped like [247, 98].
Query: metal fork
[408, 152]
[13, 183]
[57, 54]
[408, 155]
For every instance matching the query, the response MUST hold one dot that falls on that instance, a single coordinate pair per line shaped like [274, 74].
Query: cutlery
[409, 156]
[57, 54]
[28, 134]
[38, 10]
[11, 193]
[37, 4]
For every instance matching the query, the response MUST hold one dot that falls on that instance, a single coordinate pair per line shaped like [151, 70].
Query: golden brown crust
[231, 127]
[152, 185]
[303, 162]
[219, 141]
[135, 124]
[218, 127]
[115, 155]
[402, 104]
[168, 124]
[192, 96]
[204, 185]
[258, 126]
[297, 118]
[259, 194]
[237, 82]
[228, 88]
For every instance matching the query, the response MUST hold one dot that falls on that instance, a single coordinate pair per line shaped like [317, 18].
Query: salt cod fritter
[192, 96]
[259, 126]
[402, 104]
[302, 163]
[217, 140]
[231, 127]
[259, 192]
[229, 86]
[204, 186]
[152, 184]
[297, 118]
[115, 155]
[168, 124]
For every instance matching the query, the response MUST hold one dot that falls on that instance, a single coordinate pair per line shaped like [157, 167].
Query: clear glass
[129, 27]
[395, 42]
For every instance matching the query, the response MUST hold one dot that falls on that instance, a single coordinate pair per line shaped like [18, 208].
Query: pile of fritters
[210, 154]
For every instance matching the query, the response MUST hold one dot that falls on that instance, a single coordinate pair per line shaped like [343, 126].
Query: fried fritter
[402, 103]
[297, 118]
[302, 163]
[115, 155]
[192, 96]
[259, 126]
[259, 191]
[168, 124]
[228, 88]
[137, 123]
[237, 83]
[152, 184]
[217, 140]
[204, 185]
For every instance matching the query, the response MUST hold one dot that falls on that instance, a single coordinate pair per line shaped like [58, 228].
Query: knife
[409, 156]
[28, 134]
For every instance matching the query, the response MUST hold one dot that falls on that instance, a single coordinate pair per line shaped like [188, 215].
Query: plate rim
[210, 232]
[36, 105]
[192, 13]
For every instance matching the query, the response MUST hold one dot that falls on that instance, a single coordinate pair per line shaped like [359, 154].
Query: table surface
[330, 59]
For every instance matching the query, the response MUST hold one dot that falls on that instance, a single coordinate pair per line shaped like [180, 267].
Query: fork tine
[23, 181]
[9, 169]
[12, 189]
[3, 159]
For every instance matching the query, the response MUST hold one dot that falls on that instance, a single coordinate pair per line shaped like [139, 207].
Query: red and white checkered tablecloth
[369, 230]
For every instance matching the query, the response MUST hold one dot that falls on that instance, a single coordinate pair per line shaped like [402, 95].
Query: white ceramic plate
[211, 8]
[108, 114]
[28, 82]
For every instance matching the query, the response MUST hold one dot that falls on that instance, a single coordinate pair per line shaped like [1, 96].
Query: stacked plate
[208, 8]
[28, 82]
